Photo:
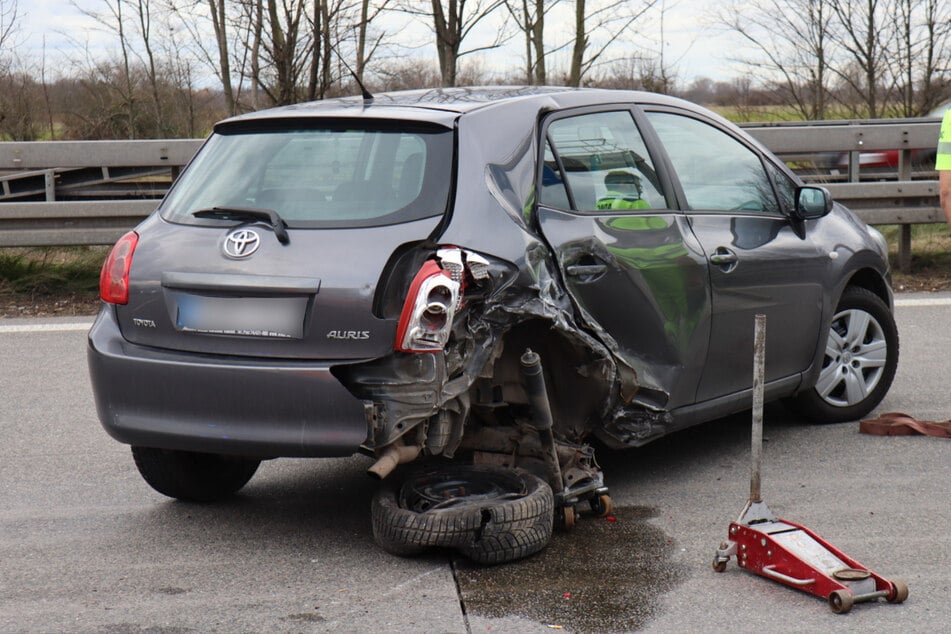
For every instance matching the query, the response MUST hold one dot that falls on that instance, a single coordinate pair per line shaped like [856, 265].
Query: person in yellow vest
[624, 192]
[943, 165]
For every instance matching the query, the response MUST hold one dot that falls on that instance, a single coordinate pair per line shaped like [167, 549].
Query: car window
[605, 161]
[717, 172]
[319, 177]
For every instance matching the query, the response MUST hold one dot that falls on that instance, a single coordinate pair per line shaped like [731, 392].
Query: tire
[489, 514]
[191, 476]
[859, 363]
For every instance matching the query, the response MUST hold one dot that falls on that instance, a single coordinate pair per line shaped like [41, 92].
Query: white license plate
[279, 317]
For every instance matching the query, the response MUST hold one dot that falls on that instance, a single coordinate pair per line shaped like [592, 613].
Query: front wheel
[192, 476]
[861, 355]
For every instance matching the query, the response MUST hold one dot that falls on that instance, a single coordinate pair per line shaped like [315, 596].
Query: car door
[627, 256]
[759, 262]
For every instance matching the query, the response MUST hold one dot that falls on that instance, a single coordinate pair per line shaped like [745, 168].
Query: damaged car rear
[474, 283]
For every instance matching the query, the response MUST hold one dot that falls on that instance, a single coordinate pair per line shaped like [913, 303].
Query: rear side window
[320, 177]
[604, 162]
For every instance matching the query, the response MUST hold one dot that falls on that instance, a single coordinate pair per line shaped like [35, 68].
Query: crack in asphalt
[460, 595]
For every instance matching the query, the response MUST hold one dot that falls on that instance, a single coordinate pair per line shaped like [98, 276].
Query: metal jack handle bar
[759, 364]
[756, 510]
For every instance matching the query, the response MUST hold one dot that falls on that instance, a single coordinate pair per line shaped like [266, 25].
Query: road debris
[900, 424]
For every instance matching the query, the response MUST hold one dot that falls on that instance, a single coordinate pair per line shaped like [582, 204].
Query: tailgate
[311, 298]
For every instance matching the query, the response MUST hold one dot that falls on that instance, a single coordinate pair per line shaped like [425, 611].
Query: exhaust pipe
[392, 456]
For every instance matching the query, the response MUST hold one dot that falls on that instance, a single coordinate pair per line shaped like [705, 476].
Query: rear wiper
[246, 214]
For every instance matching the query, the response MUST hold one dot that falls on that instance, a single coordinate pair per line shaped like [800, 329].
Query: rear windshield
[332, 176]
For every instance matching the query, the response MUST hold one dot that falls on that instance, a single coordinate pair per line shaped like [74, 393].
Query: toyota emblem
[241, 243]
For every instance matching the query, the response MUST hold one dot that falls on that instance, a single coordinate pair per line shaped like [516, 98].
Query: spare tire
[489, 514]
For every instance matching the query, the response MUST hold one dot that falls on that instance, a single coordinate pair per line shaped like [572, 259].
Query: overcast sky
[692, 47]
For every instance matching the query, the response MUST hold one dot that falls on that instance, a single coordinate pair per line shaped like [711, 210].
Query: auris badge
[241, 243]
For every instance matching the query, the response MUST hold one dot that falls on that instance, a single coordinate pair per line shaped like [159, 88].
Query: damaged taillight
[114, 277]
[427, 315]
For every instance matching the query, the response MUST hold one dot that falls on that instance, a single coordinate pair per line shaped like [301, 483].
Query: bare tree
[220, 24]
[255, 16]
[185, 104]
[285, 57]
[452, 21]
[20, 94]
[193, 16]
[598, 26]
[862, 29]
[408, 74]
[8, 29]
[21, 107]
[114, 20]
[142, 10]
[918, 54]
[367, 41]
[327, 39]
[9, 26]
[935, 68]
[529, 15]
[262, 47]
[790, 40]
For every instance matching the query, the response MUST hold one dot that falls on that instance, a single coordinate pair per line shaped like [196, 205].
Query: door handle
[723, 257]
[586, 270]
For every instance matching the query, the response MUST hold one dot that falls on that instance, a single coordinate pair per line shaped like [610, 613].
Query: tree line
[176, 66]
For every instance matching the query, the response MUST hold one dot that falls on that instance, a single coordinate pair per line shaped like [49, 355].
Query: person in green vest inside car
[649, 244]
[624, 192]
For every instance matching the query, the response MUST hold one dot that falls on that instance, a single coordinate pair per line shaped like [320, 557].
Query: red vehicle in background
[880, 161]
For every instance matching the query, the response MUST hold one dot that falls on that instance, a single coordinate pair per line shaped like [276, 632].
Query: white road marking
[61, 327]
[924, 301]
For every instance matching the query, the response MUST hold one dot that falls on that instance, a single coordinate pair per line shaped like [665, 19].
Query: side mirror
[812, 202]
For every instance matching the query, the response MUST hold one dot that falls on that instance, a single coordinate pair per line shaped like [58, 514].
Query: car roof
[443, 105]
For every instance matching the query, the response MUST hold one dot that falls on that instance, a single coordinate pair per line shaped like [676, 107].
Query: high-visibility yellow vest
[617, 200]
[943, 162]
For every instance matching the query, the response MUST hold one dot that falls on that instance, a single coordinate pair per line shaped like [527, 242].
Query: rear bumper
[157, 398]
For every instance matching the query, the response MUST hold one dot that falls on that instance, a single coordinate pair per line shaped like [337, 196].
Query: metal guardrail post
[49, 181]
[904, 237]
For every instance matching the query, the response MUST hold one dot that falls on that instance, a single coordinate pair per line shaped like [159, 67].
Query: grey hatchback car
[488, 275]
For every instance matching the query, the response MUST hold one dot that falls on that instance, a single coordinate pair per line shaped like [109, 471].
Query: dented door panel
[641, 281]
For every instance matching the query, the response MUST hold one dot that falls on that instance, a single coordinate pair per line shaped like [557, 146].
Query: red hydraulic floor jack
[788, 552]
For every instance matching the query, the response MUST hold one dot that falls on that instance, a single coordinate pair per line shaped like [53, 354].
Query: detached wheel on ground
[859, 364]
[191, 476]
[489, 514]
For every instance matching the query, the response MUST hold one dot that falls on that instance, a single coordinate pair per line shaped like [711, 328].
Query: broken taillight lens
[426, 319]
[114, 278]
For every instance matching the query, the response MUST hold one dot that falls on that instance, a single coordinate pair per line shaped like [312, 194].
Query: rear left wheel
[489, 514]
[192, 476]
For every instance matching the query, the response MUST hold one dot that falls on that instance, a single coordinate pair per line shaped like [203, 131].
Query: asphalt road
[86, 546]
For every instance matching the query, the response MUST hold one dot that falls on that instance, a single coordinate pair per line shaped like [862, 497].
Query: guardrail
[831, 153]
[90, 192]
